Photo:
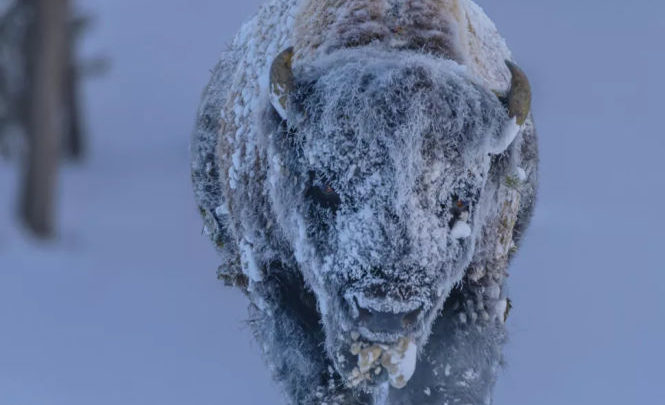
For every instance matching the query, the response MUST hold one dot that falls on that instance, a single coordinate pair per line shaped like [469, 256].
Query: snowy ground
[124, 308]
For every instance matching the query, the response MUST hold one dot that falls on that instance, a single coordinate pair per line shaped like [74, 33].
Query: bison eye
[324, 196]
[459, 210]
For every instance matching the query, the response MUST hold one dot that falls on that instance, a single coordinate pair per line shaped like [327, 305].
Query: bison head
[377, 179]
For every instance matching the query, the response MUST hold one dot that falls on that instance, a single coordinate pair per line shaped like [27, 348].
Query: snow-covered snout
[377, 180]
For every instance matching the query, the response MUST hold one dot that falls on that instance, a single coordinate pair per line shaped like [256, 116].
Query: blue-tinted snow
[125, 309]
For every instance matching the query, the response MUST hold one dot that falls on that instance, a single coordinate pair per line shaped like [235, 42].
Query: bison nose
[381, 321]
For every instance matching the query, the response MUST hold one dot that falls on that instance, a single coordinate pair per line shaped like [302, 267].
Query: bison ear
[518, 104]
[281, 81]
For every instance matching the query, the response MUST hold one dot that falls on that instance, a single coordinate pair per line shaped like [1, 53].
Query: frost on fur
[367, 193]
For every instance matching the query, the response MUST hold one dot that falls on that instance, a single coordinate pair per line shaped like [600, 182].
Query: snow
[249, 263]
[398, 360]
[500, 309]
[461, 230]
[402, 363]
[510, 131]
[521, 174]
[470, 374]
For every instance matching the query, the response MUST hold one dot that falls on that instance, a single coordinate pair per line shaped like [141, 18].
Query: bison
[366, 169]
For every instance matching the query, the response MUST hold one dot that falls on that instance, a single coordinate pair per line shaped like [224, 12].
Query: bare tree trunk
[48, 60]
[74, 147]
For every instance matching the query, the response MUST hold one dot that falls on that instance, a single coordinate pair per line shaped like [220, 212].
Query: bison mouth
[384, 320]
[379, 338]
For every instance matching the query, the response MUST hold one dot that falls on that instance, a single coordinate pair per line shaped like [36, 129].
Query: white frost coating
[222, 210]
[494, 292]
[488, 48]
[249, 262]
[400, 361]
[510, 131]
[461, 230]
[471, 374]
[500, 309]
[521, 174]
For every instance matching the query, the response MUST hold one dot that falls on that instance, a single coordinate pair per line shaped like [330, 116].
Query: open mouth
[382, 343]
[375, 335]
[384, 320]
[382, 326]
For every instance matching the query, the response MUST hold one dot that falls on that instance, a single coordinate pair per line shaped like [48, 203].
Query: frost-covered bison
[366, 169]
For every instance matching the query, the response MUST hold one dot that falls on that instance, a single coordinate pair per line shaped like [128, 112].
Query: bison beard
[367, 199]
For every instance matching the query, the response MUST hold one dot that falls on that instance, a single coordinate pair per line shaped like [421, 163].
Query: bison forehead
[402, 114]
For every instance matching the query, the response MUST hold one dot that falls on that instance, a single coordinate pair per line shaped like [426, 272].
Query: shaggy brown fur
[434, 26]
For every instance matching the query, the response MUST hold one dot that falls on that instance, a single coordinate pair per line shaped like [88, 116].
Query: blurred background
[108, 292]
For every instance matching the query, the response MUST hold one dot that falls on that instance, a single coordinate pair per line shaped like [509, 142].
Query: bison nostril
[387, 322]
[411, 318]
[364, 315]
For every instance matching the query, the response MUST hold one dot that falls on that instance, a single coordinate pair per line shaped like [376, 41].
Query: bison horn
[518, 104]
[519, 97]
[281, 81]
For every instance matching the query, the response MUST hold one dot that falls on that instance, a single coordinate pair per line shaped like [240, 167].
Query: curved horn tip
[519, 96]
[281, 80]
